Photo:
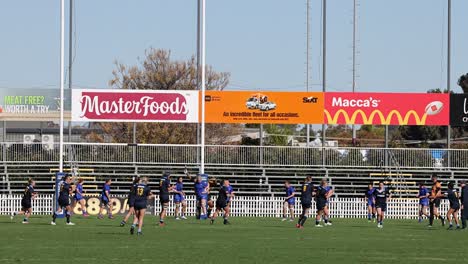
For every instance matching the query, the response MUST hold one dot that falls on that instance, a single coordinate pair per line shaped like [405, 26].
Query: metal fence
[247, 206]
[269, 156]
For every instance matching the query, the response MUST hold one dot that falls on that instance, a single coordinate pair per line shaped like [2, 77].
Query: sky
[401, 45]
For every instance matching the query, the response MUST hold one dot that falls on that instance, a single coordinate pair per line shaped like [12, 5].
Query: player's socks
[326, 220]
[54, 216]
[123, 223]
[369, 216]
[300, 220]
[68, 216]
[304, 218]
[208, 212]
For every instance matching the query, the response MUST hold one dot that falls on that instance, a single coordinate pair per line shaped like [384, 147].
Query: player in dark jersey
[434, 201]
[464, 203]
[179, 199]
[106, 200]
[289, 202]
[307, 191]
[329, 193]
[79, 198]
[131, 201]
[322, 193]
[64, 200]
[452, 213]
[142, 193]
[164, 189]
[382, 196]
[423, 197]
[26, 202]
[370, 202]
[221, 203]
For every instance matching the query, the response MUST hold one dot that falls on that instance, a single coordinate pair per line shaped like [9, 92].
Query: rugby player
[382, 196]
[26, 201]
[179, 199]
[105, 200]
[307, 191]
[289, 202]
[64, 200]
[131, 201]
[142, 193]
[370, 202]
[221, 203]
[452, 213]
[321, 196]
[79, 199]
[464, 203]
[326, 209]
[423, 197]
[434, 201]
[164, 189]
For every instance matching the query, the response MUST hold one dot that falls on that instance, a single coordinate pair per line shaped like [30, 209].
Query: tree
[157, 71]
[463, 82]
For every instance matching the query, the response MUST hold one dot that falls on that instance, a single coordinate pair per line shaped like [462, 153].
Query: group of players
[139, 194]
[428, 201]
[376, 201]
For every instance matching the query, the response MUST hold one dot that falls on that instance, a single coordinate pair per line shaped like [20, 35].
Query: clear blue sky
[402, 45]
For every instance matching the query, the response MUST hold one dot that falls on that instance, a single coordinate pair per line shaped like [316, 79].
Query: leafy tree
[157, 71]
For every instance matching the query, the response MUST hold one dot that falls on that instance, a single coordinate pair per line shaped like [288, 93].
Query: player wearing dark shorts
[452, 213]
[142, 193]
[328, 193]
[222, 203]
[307, 191]
[434, 201]
[382, 195]
[26, 201]
[464, 203]
[164, 189]
[370, 202]
[131, 201]
[321, 197]
[64, 200]
[106, 200]
[289, 202]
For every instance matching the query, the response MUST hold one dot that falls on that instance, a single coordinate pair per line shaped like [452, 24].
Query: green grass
[247, 240]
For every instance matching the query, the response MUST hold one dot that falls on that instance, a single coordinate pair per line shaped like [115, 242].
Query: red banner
[387, 108]
[135, 106]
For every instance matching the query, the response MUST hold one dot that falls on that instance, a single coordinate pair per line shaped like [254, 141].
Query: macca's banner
[263, 107]
[459, 109]
[135, 105]
[387, 108]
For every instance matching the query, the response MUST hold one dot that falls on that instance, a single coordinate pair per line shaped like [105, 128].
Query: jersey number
[140, 191]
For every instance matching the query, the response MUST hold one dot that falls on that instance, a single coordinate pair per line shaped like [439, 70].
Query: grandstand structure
[253, 170]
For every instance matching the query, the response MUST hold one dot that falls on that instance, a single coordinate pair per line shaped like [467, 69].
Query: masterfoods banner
[459, 109]
[263, 107]
[135, 105]
[387, 108]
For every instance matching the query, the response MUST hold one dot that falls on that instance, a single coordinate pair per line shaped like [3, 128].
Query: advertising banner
[119, 206]
[32, 104]
[263, 107]
[106, 105]
[459, 109]
[387, 108]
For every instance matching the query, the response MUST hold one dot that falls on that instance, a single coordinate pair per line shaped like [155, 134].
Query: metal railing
[226, 155]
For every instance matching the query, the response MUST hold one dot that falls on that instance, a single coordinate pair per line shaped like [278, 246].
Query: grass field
[247, 240]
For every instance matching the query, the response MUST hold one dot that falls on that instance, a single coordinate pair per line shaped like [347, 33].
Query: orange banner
[264, 107]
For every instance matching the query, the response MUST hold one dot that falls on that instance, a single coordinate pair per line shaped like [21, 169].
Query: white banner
[105, 105]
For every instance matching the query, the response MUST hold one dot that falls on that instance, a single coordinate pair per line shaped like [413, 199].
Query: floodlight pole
[324, 68]
[449, 54]
[203, 86]
[62, 79]
[70, 61]
[354, 63]
[307, 65]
